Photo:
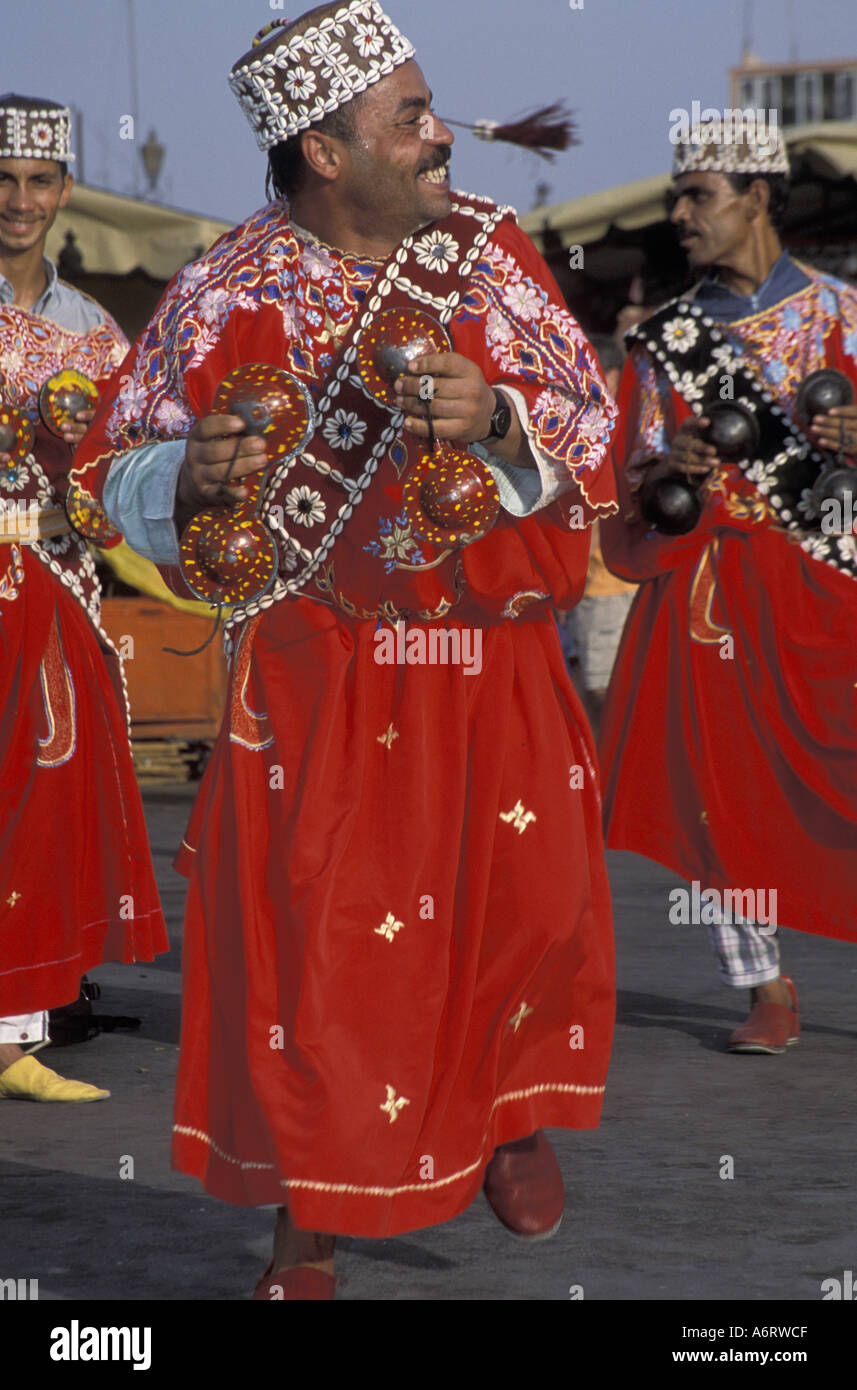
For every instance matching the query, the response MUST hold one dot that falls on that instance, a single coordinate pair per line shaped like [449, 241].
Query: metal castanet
[818, 394]
[733, 430]
[273, 405]
[839, 485]
[85, 516]
[450, 497]
[228, 554]
[228, 558]
[394, 339]
[88, 518]
[63, 396]
[17, 435]
[821, 392]
[670, 504]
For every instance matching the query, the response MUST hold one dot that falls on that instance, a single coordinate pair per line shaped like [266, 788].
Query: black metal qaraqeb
[671, 503]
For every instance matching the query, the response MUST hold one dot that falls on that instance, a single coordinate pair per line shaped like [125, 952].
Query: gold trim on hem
[354, 1189]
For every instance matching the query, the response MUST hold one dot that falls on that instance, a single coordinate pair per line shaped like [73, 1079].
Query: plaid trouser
[596, 627]
[746, 955]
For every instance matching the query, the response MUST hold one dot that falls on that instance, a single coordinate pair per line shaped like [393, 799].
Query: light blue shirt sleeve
[140, 498]
[520, 489]
[523, 491]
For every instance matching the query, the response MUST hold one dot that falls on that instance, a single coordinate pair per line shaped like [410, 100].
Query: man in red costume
[76, 880]
[399, 950]
[729, 741]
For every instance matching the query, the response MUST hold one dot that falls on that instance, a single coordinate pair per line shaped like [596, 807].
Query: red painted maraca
[228, 554]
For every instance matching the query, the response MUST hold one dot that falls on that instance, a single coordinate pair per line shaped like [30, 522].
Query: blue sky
[622, 64]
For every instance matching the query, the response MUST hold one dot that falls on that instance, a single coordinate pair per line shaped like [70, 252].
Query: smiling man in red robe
[399, 954]
[76, 880]
[729, 741]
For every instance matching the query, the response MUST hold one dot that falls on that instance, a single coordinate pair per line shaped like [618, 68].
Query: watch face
[501, 421]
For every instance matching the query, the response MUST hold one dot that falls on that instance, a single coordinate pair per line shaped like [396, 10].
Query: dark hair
[30, 103]
[286, 164]
[779, 189]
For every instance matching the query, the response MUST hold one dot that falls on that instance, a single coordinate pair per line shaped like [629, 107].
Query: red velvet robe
[398, 950]
[76, 880]
[734, 762]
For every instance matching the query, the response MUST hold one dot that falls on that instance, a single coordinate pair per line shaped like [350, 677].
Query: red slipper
[298, 1282]
[770, 1028]
[524, 1188]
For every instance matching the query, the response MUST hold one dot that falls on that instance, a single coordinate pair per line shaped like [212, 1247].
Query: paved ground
[648, 1215]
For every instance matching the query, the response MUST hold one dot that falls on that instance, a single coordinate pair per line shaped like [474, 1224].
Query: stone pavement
[648, 1215]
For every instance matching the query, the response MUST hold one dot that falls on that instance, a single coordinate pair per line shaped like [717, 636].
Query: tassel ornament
[544, 131]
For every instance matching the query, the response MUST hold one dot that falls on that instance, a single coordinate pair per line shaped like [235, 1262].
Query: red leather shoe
[524, 1187]
[770, 1027]
[298, 1282]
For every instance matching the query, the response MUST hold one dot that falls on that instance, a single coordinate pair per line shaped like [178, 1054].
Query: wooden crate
[172, 697]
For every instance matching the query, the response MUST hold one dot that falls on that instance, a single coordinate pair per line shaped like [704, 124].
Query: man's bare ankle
[772, 992]
[10, 1053]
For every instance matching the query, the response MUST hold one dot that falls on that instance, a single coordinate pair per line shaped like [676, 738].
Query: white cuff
[24, 1028]
[525, 490]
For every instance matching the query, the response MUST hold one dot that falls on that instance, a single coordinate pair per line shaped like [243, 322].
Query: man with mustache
[392, 981]
[76, 879]
[729, 743]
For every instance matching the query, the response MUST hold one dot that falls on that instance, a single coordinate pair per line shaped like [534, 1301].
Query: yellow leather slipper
[27, 1079]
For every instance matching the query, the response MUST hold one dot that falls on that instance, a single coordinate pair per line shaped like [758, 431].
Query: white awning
[115, 235]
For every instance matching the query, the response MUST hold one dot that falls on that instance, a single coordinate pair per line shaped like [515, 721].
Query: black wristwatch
[501, 420]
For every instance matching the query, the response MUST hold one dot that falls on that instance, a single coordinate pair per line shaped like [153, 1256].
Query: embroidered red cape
[76, 880]
[729, 738]
[260, 295]
[398, 913]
